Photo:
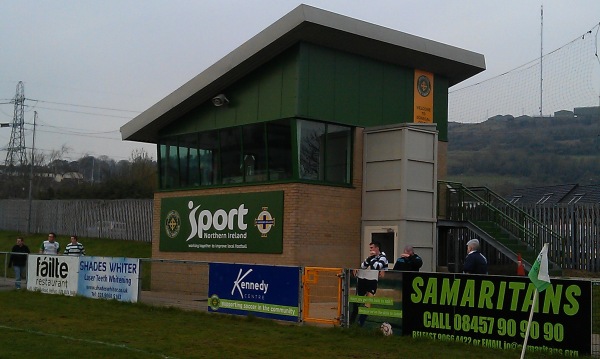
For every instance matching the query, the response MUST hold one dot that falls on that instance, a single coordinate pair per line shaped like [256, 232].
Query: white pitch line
[121, 346]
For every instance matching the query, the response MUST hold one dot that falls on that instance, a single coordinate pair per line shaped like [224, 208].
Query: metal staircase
[498, 223]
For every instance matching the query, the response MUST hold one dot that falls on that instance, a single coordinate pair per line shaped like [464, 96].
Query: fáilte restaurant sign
[241, 222]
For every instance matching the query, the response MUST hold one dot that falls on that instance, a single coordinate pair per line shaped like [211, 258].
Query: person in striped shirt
[371, 269]
[74, 248]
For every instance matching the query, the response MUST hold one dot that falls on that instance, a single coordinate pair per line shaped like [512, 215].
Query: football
[386, 328]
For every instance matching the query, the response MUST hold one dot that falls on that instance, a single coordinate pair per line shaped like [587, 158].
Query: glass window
[194, 168]
[184, 167]
[279, 146]
[163, 165]
[324, 151]
[338, 155]
[311, 149]
[208, 151]
[169, 170]
[545, 198]
[231, 155]
[255, 153]
[576, 198]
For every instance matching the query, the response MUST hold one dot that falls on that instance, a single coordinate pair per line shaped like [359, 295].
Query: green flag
[539, 271]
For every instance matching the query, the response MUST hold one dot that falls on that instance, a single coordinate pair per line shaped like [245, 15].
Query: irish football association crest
[264, 222]
[172, 224]
[423, 85]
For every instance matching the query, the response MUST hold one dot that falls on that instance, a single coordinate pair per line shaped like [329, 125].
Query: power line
[79, 112]
[69, 129]
[84, 106]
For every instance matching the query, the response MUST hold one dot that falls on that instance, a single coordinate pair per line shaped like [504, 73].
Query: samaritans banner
[493, 312]
[241, 222]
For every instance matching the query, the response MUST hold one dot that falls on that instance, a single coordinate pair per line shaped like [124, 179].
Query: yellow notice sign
[423, 97]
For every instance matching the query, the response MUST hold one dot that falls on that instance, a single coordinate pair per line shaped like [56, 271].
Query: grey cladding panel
[418, 146]
[381, 205]
[383, 175]
[420, 176]
[382, 146]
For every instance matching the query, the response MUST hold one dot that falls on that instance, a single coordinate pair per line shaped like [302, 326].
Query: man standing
[409, 260]
[475, 262]
[18, 260]
[366, 283]
[50, 246]
[74, 248]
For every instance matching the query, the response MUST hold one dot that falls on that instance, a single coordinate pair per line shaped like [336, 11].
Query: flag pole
[540, 278]
[535, 297]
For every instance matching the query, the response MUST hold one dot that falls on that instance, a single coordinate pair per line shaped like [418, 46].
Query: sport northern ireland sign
[243, 223]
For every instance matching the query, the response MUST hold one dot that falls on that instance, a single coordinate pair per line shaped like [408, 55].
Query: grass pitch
[34, 325]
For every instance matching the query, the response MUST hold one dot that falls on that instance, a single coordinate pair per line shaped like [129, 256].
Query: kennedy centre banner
[262, 291]
[242, 223]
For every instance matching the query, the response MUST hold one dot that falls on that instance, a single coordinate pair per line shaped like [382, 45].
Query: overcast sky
[88, 67]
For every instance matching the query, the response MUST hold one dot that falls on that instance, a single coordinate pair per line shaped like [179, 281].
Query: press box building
[314, 137]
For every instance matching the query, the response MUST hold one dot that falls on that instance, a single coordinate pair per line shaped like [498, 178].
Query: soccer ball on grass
[386, 329]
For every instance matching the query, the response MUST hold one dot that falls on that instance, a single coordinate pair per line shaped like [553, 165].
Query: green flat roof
[312, 25]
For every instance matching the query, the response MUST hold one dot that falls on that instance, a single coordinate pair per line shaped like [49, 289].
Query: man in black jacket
[409, 260]
[18, 259]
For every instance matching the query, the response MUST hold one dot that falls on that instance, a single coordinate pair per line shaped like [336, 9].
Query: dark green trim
[295, 149]
[440, 107]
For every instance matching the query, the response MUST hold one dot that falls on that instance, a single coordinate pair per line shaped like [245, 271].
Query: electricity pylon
[15, 156]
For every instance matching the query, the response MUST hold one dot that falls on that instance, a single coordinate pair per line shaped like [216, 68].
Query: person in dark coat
[408, 261]
[475, 262]
[18, 260]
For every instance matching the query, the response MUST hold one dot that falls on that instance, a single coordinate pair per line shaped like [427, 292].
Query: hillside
[504, 153]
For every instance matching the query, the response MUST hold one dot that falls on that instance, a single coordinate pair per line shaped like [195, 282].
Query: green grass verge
[34, 325]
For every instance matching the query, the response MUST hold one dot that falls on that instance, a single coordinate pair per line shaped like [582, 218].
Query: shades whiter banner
[109, 278]
[259, 290]
[94, 277]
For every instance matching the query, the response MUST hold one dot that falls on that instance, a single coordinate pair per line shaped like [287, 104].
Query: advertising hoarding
[52, 274]
[493, 311]
[263, 291]
[109, 278]
[242, 223]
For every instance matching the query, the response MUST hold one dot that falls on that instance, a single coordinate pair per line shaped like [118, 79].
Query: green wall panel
[345, 88]
[397, 95]
[346, 97]
[314, 82]
[371, 93]
[321, 84]
[269, 93]
[245, 98]
[270, 89]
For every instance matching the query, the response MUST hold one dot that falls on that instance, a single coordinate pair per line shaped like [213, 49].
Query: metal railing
[479, 204]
